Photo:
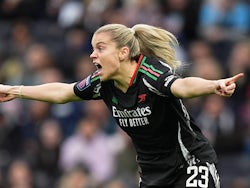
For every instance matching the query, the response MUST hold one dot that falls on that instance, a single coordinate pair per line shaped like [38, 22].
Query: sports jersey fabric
[165, 136]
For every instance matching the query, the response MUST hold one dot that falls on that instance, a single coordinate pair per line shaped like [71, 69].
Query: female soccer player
[136, 79]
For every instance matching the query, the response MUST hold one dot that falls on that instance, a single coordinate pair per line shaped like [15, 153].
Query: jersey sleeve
[89, 88]
[162, 81]
[166, 81]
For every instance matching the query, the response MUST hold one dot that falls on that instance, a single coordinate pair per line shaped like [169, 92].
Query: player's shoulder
[157, 76]
[157, 64]
[152, 69]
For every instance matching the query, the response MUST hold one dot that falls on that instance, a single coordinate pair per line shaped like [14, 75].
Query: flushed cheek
[110, 66]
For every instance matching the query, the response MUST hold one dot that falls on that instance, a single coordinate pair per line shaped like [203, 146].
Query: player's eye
[100, 48]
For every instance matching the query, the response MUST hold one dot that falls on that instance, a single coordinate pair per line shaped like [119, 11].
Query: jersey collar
[136, 70]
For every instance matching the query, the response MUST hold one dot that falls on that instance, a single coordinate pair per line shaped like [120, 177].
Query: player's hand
[4, 95]
[226, 87]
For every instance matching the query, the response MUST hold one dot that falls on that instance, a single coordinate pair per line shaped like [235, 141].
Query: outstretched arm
[50, 92]
[193, 86]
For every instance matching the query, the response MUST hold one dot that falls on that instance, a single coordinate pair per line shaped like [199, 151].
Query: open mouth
[98, 66]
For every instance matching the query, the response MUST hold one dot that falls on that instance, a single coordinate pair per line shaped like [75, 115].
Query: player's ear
[124, 53]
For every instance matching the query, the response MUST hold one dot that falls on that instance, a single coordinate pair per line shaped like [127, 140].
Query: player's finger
[231, 86]
[6, 98]
[235, 78]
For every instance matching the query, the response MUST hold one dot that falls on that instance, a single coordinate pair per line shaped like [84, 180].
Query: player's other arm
[193, 86]
[50, 92]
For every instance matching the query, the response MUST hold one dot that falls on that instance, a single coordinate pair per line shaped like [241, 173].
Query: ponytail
[157, 42]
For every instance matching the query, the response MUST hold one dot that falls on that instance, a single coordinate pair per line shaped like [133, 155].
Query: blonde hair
[144, 39]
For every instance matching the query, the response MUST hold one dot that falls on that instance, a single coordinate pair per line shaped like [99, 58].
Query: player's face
[105, 56]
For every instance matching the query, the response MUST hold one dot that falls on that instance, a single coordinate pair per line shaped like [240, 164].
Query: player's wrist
[20, 91]
[17, 90]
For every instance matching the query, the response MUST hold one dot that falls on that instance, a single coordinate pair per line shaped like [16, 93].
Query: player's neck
[127, 72]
